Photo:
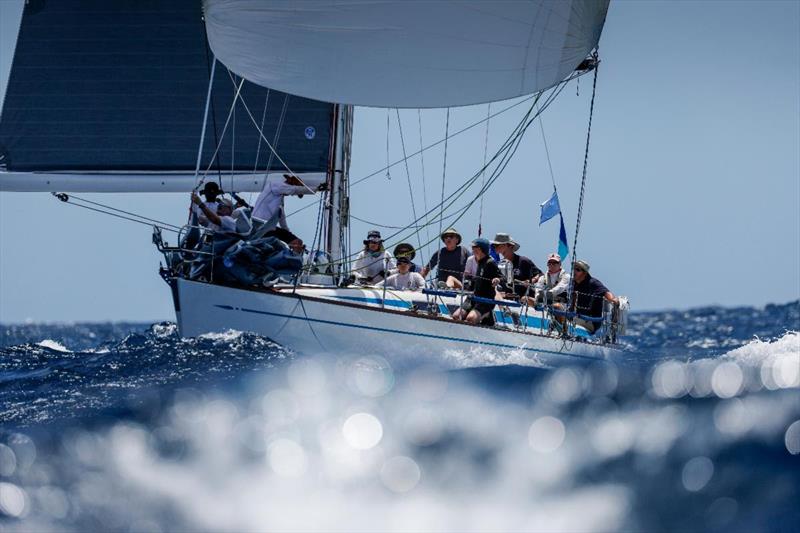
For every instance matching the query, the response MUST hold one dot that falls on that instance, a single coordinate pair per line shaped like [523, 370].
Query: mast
[337, 213]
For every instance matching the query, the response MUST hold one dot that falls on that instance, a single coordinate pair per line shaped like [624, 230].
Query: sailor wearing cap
[553, 285]
[404, 279]
[588, 295]
[210, 191]
[405, 249]
[451, 259]
[223, 218]
[487, 277]
[373, 262]
[523, 270]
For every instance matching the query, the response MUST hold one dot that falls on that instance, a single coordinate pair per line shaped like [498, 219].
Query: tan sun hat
[451, 231]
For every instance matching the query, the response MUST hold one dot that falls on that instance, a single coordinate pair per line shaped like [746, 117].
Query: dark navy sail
[109, 87]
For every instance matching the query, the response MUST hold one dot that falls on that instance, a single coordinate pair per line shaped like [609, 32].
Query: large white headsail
[404, 54]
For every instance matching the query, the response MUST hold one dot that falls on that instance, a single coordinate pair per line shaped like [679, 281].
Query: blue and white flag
[563, 247]
[550, 208]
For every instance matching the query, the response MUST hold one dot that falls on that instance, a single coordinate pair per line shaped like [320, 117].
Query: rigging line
[233, 141]
[388, 173]
[440, 141]
[213, 110]
[483, 173]
[583, 180]
[121, 216]
[422, 150]
[444, 167]
[408, 177]
[386, 226]
[258, 148]
[277, 155]
[506, 146]
[422, 165]
[510, 149]
[509, 146]
[104, 206]
[547, 153]
[263, 118]
[278, 130]
[219, 143]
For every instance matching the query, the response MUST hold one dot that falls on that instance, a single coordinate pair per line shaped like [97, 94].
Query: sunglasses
[553, 262]
[450, 237]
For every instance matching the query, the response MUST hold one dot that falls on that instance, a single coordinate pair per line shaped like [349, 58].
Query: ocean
[128, 427]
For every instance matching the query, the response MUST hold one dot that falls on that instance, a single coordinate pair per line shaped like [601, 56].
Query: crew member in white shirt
[404, 279]
[269, 204]
[225, 219]
[554, 283]
[210, 191]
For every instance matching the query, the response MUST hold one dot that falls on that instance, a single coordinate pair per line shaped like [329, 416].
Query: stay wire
[583, 179]
[111, 208]
[509, 143]
[444, 167]
[422, 150]
[408, 179]
[137, 220]
[483, 174]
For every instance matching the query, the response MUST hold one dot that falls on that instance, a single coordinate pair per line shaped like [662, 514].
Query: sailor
[588, 295]
[552, 285]
[407, 250]
[224, 218]
[451, 259]
[487, 277]
[210, 191]
[373, 262]
[269, 204]
[404, 279]
[523, 270]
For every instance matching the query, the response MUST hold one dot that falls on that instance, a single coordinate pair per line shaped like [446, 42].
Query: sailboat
[112, 97]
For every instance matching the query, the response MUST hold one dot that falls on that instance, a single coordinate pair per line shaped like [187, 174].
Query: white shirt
[201, 217]
[557, 283]
[412, 281]
[367, 266]
[270, 200]
[471, 268]
[237, 222]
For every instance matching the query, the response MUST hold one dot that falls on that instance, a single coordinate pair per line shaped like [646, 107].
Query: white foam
[225, 336]
[54, 345]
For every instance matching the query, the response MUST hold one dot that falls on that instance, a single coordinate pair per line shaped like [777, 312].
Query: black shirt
[486, 272]
[524, 270]
[450, 263]
[588, 296]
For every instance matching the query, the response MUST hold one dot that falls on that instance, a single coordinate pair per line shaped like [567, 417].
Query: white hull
[313, 324]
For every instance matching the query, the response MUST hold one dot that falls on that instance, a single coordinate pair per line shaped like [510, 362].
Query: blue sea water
[128, 427]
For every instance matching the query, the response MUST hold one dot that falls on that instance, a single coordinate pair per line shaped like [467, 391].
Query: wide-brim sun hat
[404, 249]
[373, 236]
[451, 231]
[505, 238]
[583, 265]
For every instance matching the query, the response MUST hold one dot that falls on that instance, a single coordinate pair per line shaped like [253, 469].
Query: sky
[692, 196]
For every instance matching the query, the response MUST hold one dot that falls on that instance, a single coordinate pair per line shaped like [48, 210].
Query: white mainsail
[442, 53]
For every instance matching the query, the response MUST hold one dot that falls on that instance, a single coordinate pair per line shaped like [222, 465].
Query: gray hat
[505, 238]
[583, 265]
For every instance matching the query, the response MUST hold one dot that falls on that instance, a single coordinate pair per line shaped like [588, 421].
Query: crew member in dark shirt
[487, 277]
[451, 259]
[524, 272]
[588, 295]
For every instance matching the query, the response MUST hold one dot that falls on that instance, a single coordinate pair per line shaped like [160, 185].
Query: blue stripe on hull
[400, 332]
